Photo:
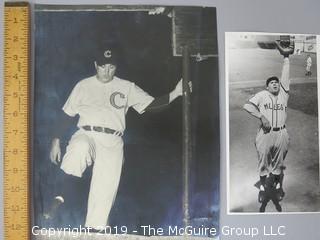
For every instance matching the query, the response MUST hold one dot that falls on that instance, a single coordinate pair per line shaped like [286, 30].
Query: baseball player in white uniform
[308, 66]
[101, 101]
[270, 107]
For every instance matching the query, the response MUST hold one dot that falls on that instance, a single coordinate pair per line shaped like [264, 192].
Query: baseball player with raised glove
[101, 101]
[272, 140]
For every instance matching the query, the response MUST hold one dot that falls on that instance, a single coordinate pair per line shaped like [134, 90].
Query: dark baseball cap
[107, 56]
[271, 79]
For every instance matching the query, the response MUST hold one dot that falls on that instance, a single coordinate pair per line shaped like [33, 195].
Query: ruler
[16, 121]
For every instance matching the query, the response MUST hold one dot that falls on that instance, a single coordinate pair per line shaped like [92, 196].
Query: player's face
[105, 73]
[273, 87]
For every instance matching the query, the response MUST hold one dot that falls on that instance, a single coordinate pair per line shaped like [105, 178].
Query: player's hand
[179, 87]
[284, 48]
[265, 124]
[55, 152]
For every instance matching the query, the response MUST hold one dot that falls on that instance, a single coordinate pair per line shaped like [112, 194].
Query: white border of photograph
[227, 44]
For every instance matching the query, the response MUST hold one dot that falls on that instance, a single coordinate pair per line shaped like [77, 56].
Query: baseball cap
[107, 56]
[271, 79]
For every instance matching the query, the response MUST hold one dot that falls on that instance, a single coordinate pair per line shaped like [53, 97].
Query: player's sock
[263, 182]
[277, 204]
[277, 181]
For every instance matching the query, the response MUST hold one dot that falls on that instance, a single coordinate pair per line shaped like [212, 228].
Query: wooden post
[186, 148]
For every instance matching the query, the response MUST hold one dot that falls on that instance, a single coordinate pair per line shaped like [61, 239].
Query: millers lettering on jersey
[276, 107]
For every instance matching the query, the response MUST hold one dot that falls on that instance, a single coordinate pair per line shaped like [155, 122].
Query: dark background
[150, 190]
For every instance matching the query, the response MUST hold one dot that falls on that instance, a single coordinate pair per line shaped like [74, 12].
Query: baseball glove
[285, 48]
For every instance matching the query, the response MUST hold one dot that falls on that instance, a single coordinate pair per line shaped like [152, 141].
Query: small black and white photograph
[272, 123]
[126, 134]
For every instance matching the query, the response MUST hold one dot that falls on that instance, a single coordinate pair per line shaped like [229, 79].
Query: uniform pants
[272, 149]
[105, 152]
[308, 68]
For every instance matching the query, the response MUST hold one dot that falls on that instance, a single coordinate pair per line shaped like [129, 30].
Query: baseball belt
[103, 130]
[278, 128]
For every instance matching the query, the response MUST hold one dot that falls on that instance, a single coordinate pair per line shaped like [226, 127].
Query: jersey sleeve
[138, 99]
[256, 100]
[71, 105]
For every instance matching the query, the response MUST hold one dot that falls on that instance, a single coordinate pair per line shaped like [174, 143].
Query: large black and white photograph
[272, 123]
[126, 120]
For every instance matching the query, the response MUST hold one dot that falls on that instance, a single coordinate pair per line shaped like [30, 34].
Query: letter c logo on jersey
[113, 99]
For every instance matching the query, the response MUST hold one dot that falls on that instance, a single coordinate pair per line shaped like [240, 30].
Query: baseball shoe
[278, 207]
[56, 203]
[262, 208]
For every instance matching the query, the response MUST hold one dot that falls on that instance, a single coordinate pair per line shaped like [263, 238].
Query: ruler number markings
[16, 121]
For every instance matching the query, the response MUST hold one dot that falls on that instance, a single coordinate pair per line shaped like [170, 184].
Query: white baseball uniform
[309, 64]
[100, 105]
[272, 147]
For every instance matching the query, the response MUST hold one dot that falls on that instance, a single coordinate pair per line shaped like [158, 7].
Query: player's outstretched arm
[285, 50]
[285, 80]
[160, 103]
[178, 90]
[256, 113]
